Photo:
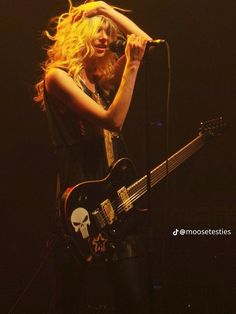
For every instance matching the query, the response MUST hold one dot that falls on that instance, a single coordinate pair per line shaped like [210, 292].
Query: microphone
[118, 46]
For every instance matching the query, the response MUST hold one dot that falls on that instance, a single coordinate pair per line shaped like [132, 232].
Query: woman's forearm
[119, 108]
[123, 22]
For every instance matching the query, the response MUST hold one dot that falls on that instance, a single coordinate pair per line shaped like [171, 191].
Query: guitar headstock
[213, 127]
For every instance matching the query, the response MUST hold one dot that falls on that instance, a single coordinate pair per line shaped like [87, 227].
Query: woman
[86, 92]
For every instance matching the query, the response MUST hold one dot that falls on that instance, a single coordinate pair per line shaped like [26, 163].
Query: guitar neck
[139, 188]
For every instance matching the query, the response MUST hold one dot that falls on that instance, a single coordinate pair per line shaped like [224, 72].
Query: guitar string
[121, 206]
[137, 191]
[140, 191]
[173, 163]
[140, 187]
[156, 177]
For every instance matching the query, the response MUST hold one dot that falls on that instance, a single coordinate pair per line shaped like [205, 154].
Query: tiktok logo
[175, 232]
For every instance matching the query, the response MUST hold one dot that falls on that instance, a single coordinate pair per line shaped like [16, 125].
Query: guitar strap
[108, 135]
[109, 147]
[58, 195]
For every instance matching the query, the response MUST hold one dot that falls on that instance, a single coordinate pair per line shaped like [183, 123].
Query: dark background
[188, 274]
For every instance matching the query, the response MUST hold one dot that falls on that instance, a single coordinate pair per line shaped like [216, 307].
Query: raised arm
[61, 86]
[125, 25]
[123, 22]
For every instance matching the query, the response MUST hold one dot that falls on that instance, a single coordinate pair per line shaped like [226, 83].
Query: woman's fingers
[135, 47]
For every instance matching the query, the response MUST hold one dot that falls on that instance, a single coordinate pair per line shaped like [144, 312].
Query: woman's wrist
[132, 65]
[105, 9]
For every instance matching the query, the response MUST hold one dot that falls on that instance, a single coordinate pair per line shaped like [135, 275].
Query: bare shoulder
[64, 89]
[55, 78]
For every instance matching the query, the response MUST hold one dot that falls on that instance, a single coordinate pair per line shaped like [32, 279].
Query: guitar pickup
[108, 211]
[124, 196]
[99, 218]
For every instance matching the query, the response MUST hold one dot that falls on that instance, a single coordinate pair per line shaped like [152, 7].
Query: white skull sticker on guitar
[80, 221]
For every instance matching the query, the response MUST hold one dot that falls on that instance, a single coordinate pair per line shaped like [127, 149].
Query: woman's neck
[87, 75]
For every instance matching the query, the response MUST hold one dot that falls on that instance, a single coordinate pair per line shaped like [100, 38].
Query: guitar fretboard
[139, 188]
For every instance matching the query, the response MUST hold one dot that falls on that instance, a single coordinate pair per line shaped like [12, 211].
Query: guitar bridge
[99, 218]
[108, 211]
[124, 196]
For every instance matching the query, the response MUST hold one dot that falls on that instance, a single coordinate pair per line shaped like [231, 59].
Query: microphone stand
[147, 133]
[148, 163]
[148, 175]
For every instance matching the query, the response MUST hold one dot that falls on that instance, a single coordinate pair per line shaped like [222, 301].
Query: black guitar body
[95, 212]
[90, 222]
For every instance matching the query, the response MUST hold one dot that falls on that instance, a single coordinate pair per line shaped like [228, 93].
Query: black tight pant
[130, 286]
[111, 288]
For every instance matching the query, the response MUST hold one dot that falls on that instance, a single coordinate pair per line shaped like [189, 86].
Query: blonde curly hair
[71, 45]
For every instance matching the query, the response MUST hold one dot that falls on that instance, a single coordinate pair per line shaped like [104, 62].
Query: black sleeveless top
[80, 152]
[79, 145]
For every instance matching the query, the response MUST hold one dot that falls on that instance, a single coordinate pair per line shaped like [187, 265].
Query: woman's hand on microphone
[135, 48]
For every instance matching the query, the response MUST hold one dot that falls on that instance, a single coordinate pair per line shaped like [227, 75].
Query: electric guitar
[94, 211]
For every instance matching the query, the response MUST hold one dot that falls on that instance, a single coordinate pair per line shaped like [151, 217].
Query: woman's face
[101, 41]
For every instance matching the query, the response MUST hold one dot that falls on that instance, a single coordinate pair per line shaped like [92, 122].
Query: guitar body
[91, 211]
[94, 212]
